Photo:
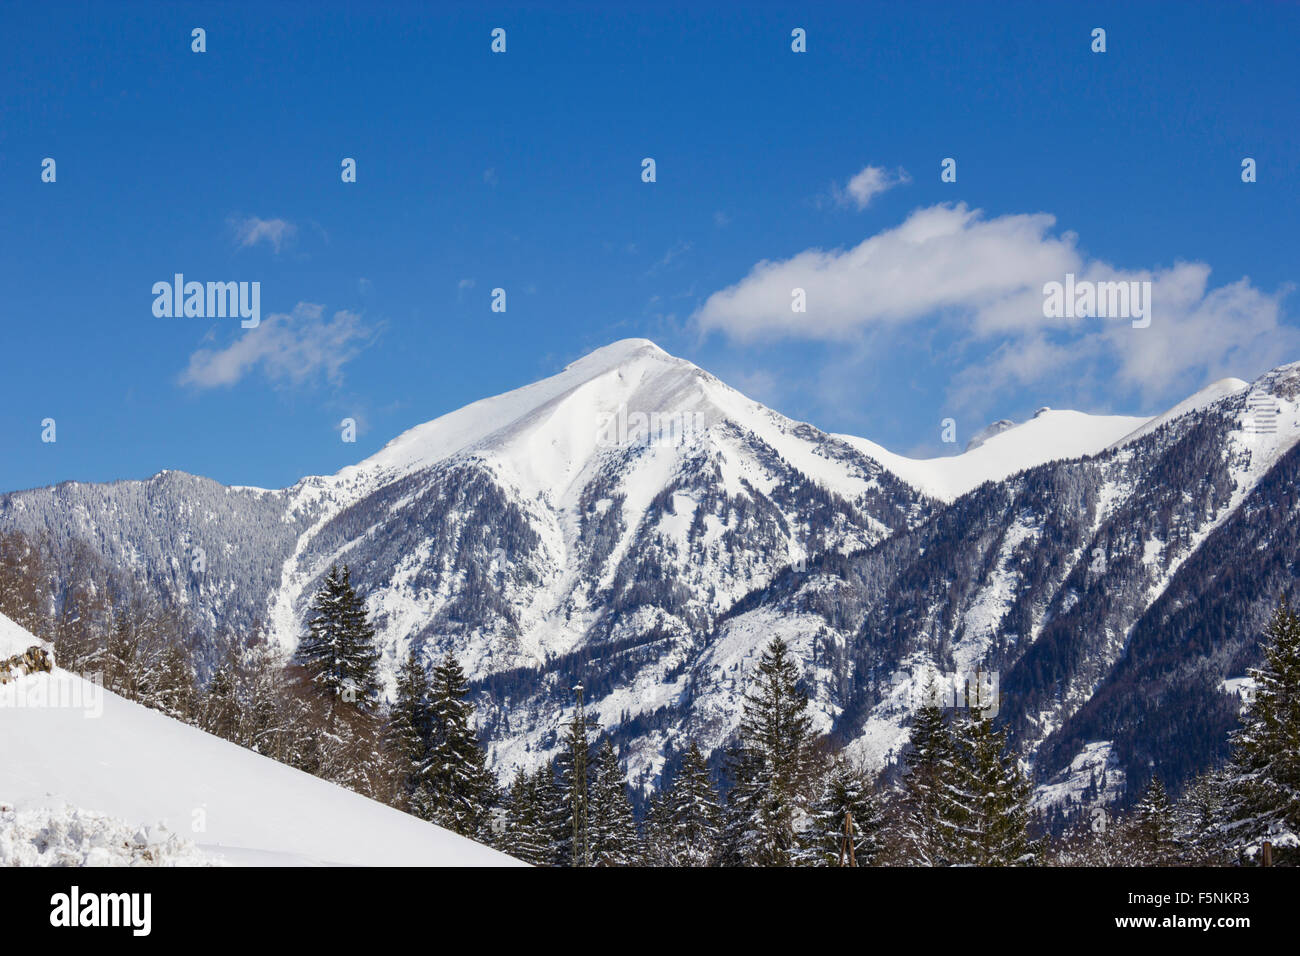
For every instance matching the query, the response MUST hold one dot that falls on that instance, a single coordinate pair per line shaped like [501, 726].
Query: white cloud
[939, 258]
[870, 183]
[251, 231]
[287, 348]
[980, 281]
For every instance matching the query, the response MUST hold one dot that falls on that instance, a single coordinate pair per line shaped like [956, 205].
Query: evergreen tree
[556, 822]
[1148, 833]
[575, 787]
[611, 826]
[928, 764]
[745, 769]
[988, 812]
[339, 652]
[845, 792]
[658, 846]
[691, 815]
[218, 711]
[1198, 821]
[1263, 788]
[456, 789]
[409, 730]
[170, 686]
[524, 836]
[776, 760]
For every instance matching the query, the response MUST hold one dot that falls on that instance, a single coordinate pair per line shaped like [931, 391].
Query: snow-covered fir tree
[611, 825]
[1147, 834]
[524, 834]
[556, 814]
[339, 651]
[1263, 778]
[657, 846]
[986, 814]
[774, 767]
[846, 795]
[410, 730]
[1198, 821]
[688, 834]
[928, 763]
[575, 787]
[456, 790]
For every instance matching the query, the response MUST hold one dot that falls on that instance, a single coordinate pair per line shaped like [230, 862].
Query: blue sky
[523, 171]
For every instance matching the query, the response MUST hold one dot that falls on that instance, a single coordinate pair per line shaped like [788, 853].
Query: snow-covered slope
[1223, 388]
[64, 741]
[619, 472]
[543, 551]
[1051, 435]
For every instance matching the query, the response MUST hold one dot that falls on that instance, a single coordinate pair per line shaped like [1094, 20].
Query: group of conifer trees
[1245, 812]
[777, 797]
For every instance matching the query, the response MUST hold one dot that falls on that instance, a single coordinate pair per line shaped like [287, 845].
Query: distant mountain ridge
[634, 523]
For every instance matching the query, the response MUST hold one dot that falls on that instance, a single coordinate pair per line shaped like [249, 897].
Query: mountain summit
[634, 524]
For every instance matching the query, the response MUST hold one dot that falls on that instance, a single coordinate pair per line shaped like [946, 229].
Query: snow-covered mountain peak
[1004, 449]
[1216, 392]
[633, 374]
[988, 431]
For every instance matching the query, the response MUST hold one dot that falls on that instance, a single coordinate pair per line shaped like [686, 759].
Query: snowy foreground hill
[87, 777]
[634, 524]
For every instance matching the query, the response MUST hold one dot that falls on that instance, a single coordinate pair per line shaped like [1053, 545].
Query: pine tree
[928, 764]
[556, 822]
[1198, 820]
[777, 760]
[218, 711]
[524, 836]
[846, 792]
[611, 825]
[659, 845]
[744, 769]
[989, 801]
[1263, 790]
[410, 729]
[691, 814]
[339, 652]
[575, 787]
[1148, 833]
[458, 791]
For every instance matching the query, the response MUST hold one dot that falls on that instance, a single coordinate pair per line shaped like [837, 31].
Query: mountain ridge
[516, 533]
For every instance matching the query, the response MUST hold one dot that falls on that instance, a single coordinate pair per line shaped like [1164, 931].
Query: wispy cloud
[252, 230]
[869, 183]
[287, 349]
[674, 253]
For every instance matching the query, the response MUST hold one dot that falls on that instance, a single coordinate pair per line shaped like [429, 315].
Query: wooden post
[1268, 853]
[846, 842]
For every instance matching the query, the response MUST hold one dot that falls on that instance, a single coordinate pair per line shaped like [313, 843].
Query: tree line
[783, 797]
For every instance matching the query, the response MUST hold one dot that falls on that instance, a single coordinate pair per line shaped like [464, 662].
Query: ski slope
[117, 758]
